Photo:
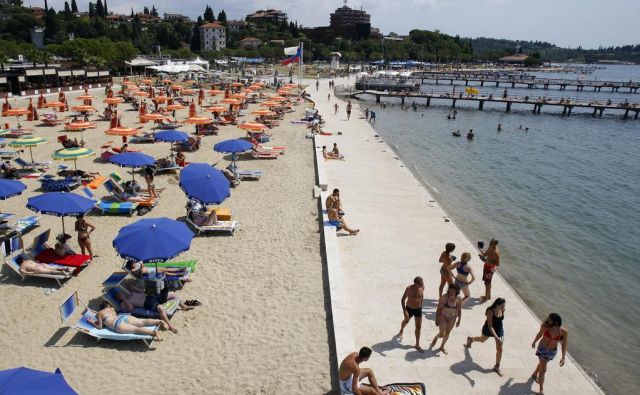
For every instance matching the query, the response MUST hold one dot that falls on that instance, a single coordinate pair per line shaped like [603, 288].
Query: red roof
[212, 25]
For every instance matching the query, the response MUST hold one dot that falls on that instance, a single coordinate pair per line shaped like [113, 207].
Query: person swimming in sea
[470, 135]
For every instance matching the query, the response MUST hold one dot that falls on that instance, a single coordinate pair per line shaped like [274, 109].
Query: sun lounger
[31, 165]
[248, 174]
[111, 207]
[56, 184]
[109, 295]
[6, 216]
[147, 137]
[8, 153]
[40, 251]
[97, 181]
[142, 201]
[17, 133]
[221, 226]
[72, 306]
[264, 154]
[188, 266]
[13, 265]
[162, 166]
[23, 225]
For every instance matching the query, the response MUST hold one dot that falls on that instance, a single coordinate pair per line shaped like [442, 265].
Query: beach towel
[74, 260]
[404, 388]
[185, 264]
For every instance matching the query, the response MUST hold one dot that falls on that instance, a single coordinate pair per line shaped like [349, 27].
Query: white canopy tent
[199, 62]
[178, 68]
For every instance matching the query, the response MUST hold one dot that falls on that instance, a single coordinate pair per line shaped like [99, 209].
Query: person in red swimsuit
[491, 258]
[551, 332]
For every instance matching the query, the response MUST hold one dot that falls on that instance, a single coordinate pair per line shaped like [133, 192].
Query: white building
[212, 37]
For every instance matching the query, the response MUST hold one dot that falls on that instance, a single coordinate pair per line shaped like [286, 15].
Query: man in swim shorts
[491, 258]
[350, 374]
[412, 307]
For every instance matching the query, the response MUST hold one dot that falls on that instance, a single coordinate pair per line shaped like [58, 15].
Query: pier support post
[594, 111]
[402, 99]
[601, 112]
[428, 101]
[539, 108]
[626, 114]
[482, 83]
[451, 82]
[636, 117]
[569, 113]
[481, 105]
[453, 104]
[513, 85]
[564, 110]
[535, 108]
[437, 81]
[508, 106]
[377, 98]
[497, 84]
[466, 82]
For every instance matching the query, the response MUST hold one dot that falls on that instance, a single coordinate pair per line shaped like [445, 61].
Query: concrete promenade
[403, 232]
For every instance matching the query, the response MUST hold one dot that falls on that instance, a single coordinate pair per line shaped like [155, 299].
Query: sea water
[563, 198]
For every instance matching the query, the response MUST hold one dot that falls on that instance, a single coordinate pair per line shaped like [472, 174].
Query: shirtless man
[412, 307]
[333, 201]
[150, 302]
[29, 267]
[335, 108]
[336, 220]
[350, 374]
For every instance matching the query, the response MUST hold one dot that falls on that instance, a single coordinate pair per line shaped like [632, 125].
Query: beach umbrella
[233, 147]
[60, 204]
[153, 240]
[55, 105]
[30, 381]
[173, 107]
[83, 108]
[28, 142]
[73, 154]
[199, 120]
[204, 183]
[122, 131]
[171, 136]
[80, 126]
[152, 117]
[10, 188]
[214, 92]
[113, 100]
[133, 160]
[217, 109]
[263, 112]
[233, 102]
[140, 94]
[16, 112]
[253, 126]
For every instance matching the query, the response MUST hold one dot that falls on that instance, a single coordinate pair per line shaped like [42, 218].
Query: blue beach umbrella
[133, 159]
[204, 183]
[29, 381]
[153, 240]
[171, 136]
[10, 188]
[60, 204]
[233, 147]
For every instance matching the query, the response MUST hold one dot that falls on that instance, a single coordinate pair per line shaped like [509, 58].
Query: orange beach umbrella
[253, 126]
[199, 120]
[122, 131]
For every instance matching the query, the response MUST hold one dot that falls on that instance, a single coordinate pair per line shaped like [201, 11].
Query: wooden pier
[529, 82]
[537, 104]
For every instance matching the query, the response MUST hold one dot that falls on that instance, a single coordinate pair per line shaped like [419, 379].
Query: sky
[567, 23]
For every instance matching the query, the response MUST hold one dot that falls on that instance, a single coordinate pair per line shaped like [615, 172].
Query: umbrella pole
[31, 152]
[63, 231]
[75, 165]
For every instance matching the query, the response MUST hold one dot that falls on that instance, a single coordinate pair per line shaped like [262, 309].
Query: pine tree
[92, 10]
[222, 17]
[46, 6]
[154, 12]
[74, 7]
[67, 9]
[99, 9]
[145, 10]
[106, 10]
[208, 14]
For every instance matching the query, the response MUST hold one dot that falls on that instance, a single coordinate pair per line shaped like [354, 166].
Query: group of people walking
[458, 275]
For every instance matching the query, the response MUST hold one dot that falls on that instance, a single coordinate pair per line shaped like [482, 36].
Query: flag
[296, 55]
[290, 51]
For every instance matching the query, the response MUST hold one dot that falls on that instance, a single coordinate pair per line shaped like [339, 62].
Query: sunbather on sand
[29, 267]
[337, 221]
[152, 303]
[125, 323]
[202, 218]
[62, 248]
[139, 270]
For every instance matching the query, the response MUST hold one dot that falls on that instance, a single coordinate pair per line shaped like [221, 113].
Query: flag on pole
[295, 55]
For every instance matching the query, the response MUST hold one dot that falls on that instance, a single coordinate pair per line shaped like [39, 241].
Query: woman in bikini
[445, 273]
[491, 259]
[29, 267]
[551, 332]
[125, 323]
[449, 309]
[462, 276]
[493, 327]
[84, 229]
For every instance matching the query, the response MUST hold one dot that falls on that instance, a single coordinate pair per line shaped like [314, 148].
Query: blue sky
[589, 23]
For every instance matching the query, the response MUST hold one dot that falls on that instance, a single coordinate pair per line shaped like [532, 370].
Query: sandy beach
[263, 325]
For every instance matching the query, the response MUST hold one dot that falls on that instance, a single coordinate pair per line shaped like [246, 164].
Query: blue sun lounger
[31, 165]
[15, 266]
[72, 307]
[111, 207]
[109, 295]
[23, 225]
[51, 184]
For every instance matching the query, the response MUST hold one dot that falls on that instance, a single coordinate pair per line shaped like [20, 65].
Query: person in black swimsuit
[84, 229]
[493, 328]
[412, 307]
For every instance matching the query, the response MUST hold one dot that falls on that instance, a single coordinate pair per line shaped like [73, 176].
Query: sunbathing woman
[445, 273]
[552, 333]
[449, 308]
[139, 270]
[62, 248]
[29, 267]
[202, 218]
[125, 323]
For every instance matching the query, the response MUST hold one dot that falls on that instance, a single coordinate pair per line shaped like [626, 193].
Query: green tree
[154, 12]
[145, 10]
[208, 14]
[74, 6]
[53, 26]
[67, 10]
[100, 10]
[222, 17]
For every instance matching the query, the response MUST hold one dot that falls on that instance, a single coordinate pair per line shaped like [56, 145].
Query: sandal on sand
[193, 302]
[469, 341]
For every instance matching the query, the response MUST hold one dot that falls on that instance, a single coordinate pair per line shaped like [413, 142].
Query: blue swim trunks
[337, 224]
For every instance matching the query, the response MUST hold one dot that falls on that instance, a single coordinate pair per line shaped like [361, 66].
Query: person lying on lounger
[152, 303]
[29, 267]
[203, 218]
[139, 270]
[8, 171]
[125, 323]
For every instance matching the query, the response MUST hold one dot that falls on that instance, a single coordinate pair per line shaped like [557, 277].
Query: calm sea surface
[562, 198]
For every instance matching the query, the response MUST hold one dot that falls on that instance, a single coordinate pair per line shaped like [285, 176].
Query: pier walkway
[536, 104]
[403, 232]
[526, 81]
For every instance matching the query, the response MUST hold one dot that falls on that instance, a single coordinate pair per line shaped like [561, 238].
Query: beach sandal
[193, 302]
[469, 341]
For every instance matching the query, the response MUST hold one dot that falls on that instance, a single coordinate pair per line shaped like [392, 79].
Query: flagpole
[300, 66]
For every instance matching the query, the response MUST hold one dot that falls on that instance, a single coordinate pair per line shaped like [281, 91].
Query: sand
[263, 325]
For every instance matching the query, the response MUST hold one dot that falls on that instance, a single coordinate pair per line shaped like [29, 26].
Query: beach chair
[258, 154]
[31, 165]
[191, 145]
[15, 266]
[77, 314]
[142, 201]
[127, 208]
[9, 153]
[24, 225]
[6, 216]
[147, 137]
[40, 251]
[68, 183]
[265, 148]
[221, 226]
[109, 295]
[39, 244]
[163, 165]
[248, 174]
[17, 133]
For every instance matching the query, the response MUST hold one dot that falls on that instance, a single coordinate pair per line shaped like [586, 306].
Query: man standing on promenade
[350, 374]
[412, 307]
[335, 108]
[348, 110]
[372, 118]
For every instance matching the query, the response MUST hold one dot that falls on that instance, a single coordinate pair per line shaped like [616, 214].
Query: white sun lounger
[13, 265]
[222, 226]
[72, 305]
